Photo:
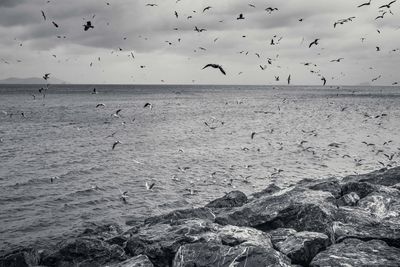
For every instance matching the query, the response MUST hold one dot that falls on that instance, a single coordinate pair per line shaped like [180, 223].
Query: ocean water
[301, 132]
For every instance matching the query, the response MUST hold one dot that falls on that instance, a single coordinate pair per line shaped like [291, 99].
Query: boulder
[354, 252]
[215, 254]
[350, 199]
[269, 190]
[298, 208]
[232, 199]
[387, 177]
[85, 249]
[197, 213]
[102, 231]
[138, 261]
[330, 185]
[280, 234]
[362, 189]
[20, 258]
[301, 247]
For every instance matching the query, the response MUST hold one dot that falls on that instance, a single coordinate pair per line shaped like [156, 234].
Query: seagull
[388, 5]
[240, 16]
[46, 76]
[88, 25]
[151, 5]
[176, 14]
[44, 16]
[94, 91]
[199, 30]
[100, 105]
[337, 60]
[116, 114]
[315, 42]
[215, 66]
[288, 79]
[55, 24]
[207, 8]
[148, 105]
[253, 134]
[124, 196]
[149, 186]
[324, 80]
[365, 4]
[115, 144]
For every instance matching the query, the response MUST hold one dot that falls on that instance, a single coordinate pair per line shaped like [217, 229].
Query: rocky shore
[354, 221]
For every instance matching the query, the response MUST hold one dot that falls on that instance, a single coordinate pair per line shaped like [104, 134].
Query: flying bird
[337, 60]
[388, 5]
[315, 42]
[151, 5]
[55, 24]
[148, 105]
[215, 66]
[43, 15]
[100, 105]
[88, 25]
[365, 4]
[207, 8]
[288, 79]
[240, 16]
[324, 80]
[150, 186]
[46, 76]
[115, 144]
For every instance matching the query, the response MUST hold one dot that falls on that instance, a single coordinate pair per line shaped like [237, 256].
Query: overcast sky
[169, 48]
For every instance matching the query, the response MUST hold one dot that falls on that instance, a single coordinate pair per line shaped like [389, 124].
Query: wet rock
[298, 208]
[301, 247]
[354, 252]
[198, 213]
[387, 177]
[102, 231]
[85, 249]
[138, 261]
[350, 199]
[271, 189]
[362, 189]
[21, 258]
[232, 199]
[214, 254]
[331, 185]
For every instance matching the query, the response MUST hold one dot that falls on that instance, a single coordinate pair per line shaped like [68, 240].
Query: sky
[135, 43]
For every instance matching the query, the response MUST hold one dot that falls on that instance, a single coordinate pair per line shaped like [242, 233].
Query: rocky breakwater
[354, 221]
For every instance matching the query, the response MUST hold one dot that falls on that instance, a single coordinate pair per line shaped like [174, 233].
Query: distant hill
[31, 80]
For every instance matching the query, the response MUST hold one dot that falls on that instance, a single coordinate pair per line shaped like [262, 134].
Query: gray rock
[21, 258]
[301, 247]
[298, 208]
[280, 234]
[350, 199]
[86, 250]
[101, 231]
[269, 190]
[214, 254]
[362, 189]
[138, 261]
[354, 252]
[331, 185]
[387, 177]
[232, 199]
[198, 213]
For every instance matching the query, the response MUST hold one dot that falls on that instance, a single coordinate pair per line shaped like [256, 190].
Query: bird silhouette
[43, 15]
[388, 5]
[365, 4]
[215, 66]
[55, 24]
[88, 25]
[240, 16]
[315, 42]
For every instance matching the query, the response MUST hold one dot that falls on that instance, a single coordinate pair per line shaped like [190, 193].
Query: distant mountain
[31, 80]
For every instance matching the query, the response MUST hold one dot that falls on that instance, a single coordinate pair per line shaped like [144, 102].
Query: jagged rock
[21, 258]
[198, 213]
[354, 252]
[212, 254]
[298, 208]
[301, 247]
[387, 177]
[102, 231]
[350, 199]
[328, 185]
[271, 189]
[362, 189]
[138, 261]
[85, 249]
[280, 234]
[232, 199]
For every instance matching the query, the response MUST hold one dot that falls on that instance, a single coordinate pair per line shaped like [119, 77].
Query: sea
[59, 172]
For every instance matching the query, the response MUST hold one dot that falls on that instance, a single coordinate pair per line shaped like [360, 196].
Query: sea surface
[58, 171]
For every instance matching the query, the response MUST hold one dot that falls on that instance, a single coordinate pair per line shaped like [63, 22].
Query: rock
[138, 261]
[280, 234]
[327, 185]
[21, 258]
[102, 231]
[298, 208]
[85, 249]
[362, 189]
[271, 189]
[354, 252]
[387, 177]
[198, 213]
[232, 199]
[350, 199]
[214, 254]
[301, 247]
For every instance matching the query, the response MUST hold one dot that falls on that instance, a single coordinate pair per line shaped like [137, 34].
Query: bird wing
[208, 65]
[222, 70]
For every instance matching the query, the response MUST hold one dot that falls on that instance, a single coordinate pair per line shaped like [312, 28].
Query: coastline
[353, 220]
